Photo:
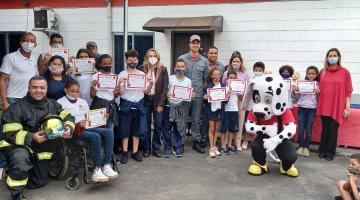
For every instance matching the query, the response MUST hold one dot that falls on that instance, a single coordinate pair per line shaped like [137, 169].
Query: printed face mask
[55, 69]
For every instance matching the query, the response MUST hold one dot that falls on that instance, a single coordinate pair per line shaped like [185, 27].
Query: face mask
[236, 65]
[55, 69]
[27, 46]
[180, 71]
[257, 74]
[106, 68]
[353, 170]
[132, 65]
[71, 98]
[333, 60]
[153, 60]
[56, 45]
[285, 75]
[216, 78]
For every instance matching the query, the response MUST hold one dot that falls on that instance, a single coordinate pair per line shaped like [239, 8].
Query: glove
[271, 143]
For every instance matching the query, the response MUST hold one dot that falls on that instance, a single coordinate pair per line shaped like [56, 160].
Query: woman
[155, 101]
[334, 101]
[56, 77]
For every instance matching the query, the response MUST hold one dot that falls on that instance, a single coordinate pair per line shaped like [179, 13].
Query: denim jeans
[155, 143]
[196, 107]
[171, 136]
[95, 136]
[306, 120]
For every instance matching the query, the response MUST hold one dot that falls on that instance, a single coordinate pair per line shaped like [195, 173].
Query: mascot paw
[292, 172]
[271, 143]
[256, 169]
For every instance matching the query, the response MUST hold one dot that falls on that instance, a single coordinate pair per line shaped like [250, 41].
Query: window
[9, 42]
[141, 42]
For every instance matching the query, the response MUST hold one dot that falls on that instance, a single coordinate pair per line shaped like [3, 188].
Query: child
[214, 111]
[229, 125]
[176, 113]
[287, 72]
[133, 121]
[78, 107]
[350, 189]
[307, 110]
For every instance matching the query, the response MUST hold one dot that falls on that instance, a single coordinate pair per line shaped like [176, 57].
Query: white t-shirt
[77, 109]
[185, 82]
[104, 94]
[20, 70]
[232, 104]
[85, 81]
[133, 95]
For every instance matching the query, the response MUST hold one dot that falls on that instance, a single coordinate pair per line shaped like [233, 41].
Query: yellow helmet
[53, 126]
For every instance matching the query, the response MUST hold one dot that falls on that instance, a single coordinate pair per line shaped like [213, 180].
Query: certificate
[184, 93]
[96, 118]
[238, 86]
[63, 52]
[306, 87]
[216, 94]
[136, 81]
[84, 66]
[106, 81]
[288, 84]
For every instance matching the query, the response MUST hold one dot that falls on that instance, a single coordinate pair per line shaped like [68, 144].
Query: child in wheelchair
[78, 108]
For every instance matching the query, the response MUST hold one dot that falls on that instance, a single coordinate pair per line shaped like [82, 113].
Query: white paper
[238, 86]
[84, 66]
[217, 94]
[106, 81]
[63, 52]
[288, 84]
[136, 81]
[96, 118]
[307, 87]
[183, 93]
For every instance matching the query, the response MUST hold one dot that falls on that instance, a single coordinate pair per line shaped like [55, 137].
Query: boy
[350, 189]
[176, 113]
[258, 69]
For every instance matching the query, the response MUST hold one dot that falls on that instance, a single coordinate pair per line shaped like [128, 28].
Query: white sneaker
[217, 152]
[109, 172]
[244, 145]
[98, 176]
[212, 153]
[1, 173]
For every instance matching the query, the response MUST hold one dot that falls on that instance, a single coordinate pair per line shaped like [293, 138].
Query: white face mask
[28, 46]
[56, 45]
[71, 98]
[333, 60]
[153, 60]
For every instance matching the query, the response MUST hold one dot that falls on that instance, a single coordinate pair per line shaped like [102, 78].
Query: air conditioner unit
[44, 19]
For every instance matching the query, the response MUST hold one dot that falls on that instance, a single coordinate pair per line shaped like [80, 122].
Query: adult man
[27, 150]
[91, 46]
[212, 55]
[17, 68]
[56, 41]
[197, 71]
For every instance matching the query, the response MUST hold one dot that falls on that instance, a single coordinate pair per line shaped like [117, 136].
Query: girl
[287, 72]
[56, 77]
[214, 111]
[307, 110]
[78, 108]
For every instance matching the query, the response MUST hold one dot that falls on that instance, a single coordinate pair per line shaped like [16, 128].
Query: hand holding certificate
[106, 81]
[84, 66]
[238, 86]
[306, 87]
[136, 81]
[96, 118]
[63, 52]
[180, 92]
[288, 84]
[216, 94]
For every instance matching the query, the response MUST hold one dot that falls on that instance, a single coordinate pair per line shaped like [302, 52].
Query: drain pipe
[110, 29]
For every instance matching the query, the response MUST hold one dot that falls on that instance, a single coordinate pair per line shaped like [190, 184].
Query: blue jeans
[306, 120]
[95, 136]
[196, 106]
[171, 136]
[155, 143]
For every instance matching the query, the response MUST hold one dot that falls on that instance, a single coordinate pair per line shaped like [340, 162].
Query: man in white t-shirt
[16, 70]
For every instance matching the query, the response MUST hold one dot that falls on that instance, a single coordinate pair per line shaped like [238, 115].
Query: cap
[194, 37]
[91, 43]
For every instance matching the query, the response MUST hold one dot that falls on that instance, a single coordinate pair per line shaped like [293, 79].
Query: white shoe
[217, 152]
[244, 145]
[109, 172]
[98, 176]
[1, 173]
[212, 153]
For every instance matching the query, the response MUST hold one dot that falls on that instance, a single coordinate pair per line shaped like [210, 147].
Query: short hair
[56, 35]
[82, 50]
[132, 53]
[70, 83]
[231, 72]
[102, 57]
[25, 34]
[259, 64]
[179, 60]
[212, 47]
[286, 67]
[37, 78]
[355, 156]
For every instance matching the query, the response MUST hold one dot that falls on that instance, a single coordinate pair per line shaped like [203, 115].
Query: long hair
[209, 78]
[146, 63]
[62, 61]
[241, 68]
[326, 62]
[82, 51]
[316, 70]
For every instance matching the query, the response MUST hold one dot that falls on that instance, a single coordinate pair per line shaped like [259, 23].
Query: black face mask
[179, 71]
[132, 65]
[105, 68]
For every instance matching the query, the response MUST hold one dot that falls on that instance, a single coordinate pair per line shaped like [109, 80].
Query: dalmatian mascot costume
[272, 122]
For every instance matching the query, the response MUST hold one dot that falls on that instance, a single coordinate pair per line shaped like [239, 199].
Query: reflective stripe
[69, 123]
[3, 143]
[12, 127]
[45, 155]
[14, 183]
[20, 137]
[64, 113]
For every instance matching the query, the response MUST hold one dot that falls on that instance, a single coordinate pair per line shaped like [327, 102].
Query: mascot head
[269, 96]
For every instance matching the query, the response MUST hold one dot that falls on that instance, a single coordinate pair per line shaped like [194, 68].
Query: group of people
[51, 86]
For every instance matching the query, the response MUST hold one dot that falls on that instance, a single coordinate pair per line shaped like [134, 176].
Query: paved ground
[196, 176]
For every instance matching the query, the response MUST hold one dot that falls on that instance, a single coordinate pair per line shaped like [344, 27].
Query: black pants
[285, 151]
[329, 136]
[25, 170]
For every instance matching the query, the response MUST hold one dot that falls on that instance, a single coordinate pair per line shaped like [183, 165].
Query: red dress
[335, 86]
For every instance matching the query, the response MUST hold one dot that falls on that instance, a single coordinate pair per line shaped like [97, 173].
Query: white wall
[295, 32]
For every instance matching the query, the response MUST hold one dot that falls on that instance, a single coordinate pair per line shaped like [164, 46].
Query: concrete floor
[196, 176]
